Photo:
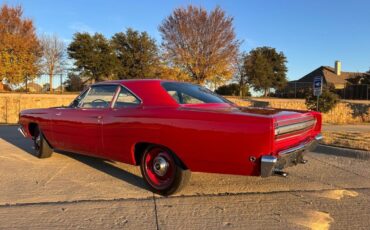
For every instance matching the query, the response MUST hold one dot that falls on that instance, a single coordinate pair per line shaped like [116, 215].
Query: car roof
[135, 81]
[150, 91]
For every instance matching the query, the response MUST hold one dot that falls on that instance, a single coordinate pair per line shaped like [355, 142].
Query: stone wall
[346, 112]
[12, 103]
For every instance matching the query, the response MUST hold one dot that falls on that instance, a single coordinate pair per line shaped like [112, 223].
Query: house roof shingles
[329, 75]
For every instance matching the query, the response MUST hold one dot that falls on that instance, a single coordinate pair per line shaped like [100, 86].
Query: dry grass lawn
[348, 139]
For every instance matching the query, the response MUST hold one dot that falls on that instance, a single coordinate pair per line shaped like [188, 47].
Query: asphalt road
[69, 191]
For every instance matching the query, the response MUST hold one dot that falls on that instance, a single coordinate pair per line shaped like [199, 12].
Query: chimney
[338, 67]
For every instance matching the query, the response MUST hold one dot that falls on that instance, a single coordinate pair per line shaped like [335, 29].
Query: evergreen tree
[137, 54]
[94, 56]
[266, 69]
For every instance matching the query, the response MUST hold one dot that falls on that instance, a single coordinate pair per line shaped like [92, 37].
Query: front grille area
[294, 128]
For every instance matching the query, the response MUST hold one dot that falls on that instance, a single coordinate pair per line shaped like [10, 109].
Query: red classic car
[171, 128]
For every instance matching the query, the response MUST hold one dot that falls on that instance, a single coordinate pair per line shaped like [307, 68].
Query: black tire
[41, 146]
[175, 177]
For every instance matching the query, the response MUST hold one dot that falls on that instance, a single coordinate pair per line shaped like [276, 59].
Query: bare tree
[53, 58]
[202, 44]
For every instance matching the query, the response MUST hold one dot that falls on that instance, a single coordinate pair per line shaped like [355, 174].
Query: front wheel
[41, 146]
[162, 171]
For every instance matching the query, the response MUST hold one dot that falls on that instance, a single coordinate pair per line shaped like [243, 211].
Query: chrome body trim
[294, 149]
[292, 156]
[267, 165]
[21, 130]
[118, 92]
[319, 137]
[279, 130]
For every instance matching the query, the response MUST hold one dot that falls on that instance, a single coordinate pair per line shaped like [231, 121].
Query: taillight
[295, 127]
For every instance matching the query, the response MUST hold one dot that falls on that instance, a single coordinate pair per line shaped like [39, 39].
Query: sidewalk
[343, 128]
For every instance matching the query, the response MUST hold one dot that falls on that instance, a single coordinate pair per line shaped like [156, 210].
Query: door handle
[58, 113]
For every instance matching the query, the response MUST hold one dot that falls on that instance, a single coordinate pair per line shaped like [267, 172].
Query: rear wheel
[162, 171]
[41, 146]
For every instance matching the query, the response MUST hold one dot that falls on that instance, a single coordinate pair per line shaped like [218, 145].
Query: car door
[78, 127]
[121, 126]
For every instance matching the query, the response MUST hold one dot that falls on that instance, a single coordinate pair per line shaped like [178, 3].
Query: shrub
[232, 89]
[327, 100]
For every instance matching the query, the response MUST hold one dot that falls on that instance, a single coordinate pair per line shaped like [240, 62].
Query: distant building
[34, 88]
[4, 87]
[335, 76]
[349, 85]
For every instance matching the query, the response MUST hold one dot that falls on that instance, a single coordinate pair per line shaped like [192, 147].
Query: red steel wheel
[161, 170]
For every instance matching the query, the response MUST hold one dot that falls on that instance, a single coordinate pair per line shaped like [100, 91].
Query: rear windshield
[186, 93]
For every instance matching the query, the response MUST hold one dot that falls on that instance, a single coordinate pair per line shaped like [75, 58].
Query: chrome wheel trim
[160, 165]
[37, 142]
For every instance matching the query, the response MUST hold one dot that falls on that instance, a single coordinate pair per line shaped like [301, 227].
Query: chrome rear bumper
[288, 157]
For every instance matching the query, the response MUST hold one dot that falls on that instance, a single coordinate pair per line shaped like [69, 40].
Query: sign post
[317, 89]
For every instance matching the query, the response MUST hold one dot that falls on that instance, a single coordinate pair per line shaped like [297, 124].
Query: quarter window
[126, 98]
[185, 93]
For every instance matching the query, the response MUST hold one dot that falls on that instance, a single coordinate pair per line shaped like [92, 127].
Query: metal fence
[361, 92]
[301, 89]
[40, 84]
[295, 90]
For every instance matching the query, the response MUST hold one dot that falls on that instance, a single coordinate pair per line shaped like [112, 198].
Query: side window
[99, 96]
[188, 99]
[76, 102]
[174, 94]
[125, 99]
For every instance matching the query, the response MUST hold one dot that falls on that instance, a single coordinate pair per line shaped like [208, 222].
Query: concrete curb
[343, 152]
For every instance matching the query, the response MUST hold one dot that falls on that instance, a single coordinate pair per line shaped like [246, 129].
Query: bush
[73, 83]
[327, 100]
[232, 89]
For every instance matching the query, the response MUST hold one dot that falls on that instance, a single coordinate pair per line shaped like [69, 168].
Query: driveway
[73, 191]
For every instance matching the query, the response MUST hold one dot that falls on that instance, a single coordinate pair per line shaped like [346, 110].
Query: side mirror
[75, 103]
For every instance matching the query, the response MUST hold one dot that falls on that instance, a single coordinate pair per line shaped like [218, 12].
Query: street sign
[317, 86]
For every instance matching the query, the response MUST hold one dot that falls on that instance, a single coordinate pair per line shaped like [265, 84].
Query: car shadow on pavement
[10, 134]
[109, 168]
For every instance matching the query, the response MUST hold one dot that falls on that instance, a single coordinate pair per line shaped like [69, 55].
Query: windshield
[185, 93]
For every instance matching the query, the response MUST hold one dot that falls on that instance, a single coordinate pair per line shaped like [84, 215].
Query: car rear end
[295, 133]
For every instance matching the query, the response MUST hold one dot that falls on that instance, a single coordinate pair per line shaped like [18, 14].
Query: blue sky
[311, 33]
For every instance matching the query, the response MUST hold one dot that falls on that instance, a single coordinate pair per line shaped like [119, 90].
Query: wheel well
[142, 146]
[139, 151]
[32, 127]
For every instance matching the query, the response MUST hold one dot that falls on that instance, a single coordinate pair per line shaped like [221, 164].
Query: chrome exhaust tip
[280, 173]
[319, 137]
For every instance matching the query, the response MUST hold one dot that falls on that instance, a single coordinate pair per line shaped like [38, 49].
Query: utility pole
[295, 89]
[61, 83]
[317, 89]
